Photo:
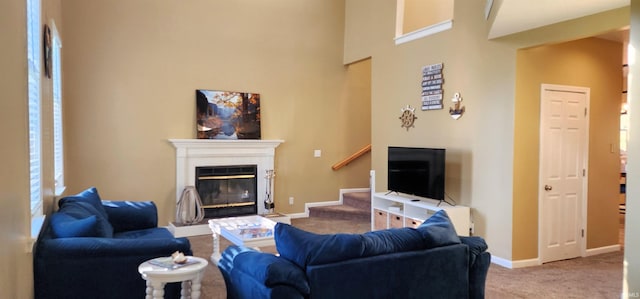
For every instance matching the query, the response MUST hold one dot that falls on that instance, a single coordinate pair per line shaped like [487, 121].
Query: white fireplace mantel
[192, 153]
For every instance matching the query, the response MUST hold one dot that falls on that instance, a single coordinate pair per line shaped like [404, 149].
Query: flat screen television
[416, 171]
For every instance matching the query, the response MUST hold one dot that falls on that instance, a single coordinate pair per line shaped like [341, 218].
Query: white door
[563, 163]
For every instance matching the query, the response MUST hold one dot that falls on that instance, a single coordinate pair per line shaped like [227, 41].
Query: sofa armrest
[131, 215]
[76, 249]
[98, 267]
[241, 264]
[476, 245]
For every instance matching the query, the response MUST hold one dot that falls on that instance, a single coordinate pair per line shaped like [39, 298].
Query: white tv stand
[393, 210]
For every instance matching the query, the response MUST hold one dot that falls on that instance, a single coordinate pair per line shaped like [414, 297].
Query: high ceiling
[514, 16]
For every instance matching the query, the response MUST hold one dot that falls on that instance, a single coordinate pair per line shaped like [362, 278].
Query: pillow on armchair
[67, 226]
[76, 216]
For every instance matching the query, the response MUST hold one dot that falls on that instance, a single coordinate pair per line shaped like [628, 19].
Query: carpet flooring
[591, 277]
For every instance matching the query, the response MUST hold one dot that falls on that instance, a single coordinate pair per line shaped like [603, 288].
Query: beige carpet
[592, 277]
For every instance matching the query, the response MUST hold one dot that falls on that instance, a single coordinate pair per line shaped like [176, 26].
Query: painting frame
[227, 115]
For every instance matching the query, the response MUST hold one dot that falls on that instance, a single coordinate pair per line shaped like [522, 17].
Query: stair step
[360, 200]
[340, 212]
[356, 205]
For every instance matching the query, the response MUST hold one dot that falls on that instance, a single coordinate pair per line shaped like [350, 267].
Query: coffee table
[251, 231]
[157, 276]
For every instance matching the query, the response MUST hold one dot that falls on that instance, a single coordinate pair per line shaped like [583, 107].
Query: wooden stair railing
[350, 159]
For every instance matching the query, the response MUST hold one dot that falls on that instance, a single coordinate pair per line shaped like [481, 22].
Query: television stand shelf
[394, 211]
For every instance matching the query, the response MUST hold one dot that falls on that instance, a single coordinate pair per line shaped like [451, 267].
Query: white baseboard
[514, 264]
[298, 215]
[536, 261]
[525, 263]
[601, 250]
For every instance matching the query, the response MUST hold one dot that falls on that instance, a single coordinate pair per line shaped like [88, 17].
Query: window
[33, 60]
[56, 76]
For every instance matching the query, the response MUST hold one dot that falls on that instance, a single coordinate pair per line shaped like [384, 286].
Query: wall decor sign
[432, 80]
[227, 114]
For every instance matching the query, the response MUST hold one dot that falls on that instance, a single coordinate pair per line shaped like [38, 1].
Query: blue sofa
[428, 262]
[91, 248]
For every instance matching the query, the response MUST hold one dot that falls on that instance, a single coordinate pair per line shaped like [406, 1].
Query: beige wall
[355, 118]
[132, 68]
[422, 13]
[480, 145]
[16, 280]
[592, 63]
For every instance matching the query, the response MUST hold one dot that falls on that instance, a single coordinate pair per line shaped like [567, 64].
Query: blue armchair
[91, 248]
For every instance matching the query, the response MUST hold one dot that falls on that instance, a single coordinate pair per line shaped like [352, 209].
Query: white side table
[190, 276]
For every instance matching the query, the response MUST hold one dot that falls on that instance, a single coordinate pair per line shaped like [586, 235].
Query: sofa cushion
[85, 204]
[66, 226]
[305, 248]
[392, 240]
[438, 231]
[131, 215]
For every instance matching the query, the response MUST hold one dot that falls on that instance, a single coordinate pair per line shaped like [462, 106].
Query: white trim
[525, 263]
[298, 215]
[423, 32]
[515, 264]
[487, 9]
[501, 262]
[601, 250]
[536, 261]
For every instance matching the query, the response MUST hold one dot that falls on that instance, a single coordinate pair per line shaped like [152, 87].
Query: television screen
[416, 171]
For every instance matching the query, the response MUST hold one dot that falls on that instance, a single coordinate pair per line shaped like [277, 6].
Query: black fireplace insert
[227, 191]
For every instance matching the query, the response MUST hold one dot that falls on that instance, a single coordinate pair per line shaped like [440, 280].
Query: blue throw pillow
[85, 204]
[305, 248]
[90, 196]
[66, 226]
[438, 231]
[392, 240]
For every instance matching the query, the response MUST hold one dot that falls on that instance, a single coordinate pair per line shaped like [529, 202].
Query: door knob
[548, 188]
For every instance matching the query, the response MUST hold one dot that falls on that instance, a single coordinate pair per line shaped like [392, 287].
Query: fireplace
[227, 190]
[195, 153]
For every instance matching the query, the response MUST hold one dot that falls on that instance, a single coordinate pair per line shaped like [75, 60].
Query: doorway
[564, 127]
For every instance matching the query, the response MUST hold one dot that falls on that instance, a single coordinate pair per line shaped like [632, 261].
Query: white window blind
[58, 153]
[33, 60]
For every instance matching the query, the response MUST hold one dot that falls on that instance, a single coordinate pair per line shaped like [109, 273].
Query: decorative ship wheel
[407, 117]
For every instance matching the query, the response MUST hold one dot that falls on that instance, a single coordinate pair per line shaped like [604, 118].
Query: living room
[131, 69]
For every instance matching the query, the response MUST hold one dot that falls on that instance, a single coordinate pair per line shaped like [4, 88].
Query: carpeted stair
[355, 206]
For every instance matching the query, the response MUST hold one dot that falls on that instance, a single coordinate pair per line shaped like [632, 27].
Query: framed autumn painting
[227, 114]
